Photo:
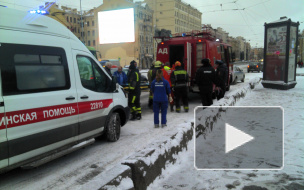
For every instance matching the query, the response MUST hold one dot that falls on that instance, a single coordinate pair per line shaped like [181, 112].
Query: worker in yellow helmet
[151, 77]
[167, 73]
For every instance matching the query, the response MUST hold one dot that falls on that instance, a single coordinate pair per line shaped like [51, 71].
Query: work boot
[178, 110]
[133, 116]
[138, 116]
[163, 125]
[156, 125]
[171, 108]
[186, 109]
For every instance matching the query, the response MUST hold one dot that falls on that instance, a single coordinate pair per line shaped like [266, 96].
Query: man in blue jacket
[121, 76]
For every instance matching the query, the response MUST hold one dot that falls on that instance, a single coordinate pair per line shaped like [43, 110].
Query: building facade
[175, 15]
[142, 49]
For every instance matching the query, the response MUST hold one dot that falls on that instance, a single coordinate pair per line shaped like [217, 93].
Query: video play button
[235, 138]
[230, 138]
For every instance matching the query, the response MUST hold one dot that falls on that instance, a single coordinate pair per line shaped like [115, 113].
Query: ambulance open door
[3, 136]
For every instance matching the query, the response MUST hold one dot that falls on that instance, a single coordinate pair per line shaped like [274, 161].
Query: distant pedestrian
[161, 90]
[221, 75]
[121, 76]
[205, 78]
[179, 78]
[134, 91]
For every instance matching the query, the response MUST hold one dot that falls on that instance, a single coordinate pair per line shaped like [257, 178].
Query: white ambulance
[53, 92]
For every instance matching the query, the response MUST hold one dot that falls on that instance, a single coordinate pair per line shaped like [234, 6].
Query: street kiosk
[280, 53]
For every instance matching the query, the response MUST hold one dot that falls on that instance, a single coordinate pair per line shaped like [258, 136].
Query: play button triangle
[235, 138]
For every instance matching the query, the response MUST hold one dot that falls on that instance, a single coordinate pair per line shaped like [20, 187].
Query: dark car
[254, 66]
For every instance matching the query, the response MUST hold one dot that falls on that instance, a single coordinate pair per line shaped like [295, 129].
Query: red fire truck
[190, 48]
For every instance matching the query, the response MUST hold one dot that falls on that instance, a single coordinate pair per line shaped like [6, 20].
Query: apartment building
[175, 15]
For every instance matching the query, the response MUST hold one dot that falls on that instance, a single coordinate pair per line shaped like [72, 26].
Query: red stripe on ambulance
[29, 116]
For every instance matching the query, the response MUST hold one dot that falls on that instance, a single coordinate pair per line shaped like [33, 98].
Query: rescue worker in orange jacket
[179, 79]
[134, 91]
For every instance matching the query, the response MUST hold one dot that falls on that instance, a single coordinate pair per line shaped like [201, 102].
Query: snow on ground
[183, 175]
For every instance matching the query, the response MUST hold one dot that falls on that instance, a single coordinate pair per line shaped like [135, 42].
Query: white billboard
[116, 26]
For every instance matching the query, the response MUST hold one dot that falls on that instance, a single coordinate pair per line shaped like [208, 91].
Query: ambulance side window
[91, 76]
[32, 69]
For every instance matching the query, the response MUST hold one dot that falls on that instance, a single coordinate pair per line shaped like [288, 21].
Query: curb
[146, 165]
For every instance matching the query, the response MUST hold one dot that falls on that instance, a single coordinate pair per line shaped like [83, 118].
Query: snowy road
[76, 170]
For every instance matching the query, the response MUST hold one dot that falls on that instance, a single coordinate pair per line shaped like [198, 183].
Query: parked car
[254, 66]
[238, 75]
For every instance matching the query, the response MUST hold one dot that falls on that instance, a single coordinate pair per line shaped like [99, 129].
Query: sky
[244, 18]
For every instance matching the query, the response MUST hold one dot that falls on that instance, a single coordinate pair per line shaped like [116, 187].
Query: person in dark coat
[179, 79]
[221, 74]
[205, 78]
[160, 88]
[134, 91]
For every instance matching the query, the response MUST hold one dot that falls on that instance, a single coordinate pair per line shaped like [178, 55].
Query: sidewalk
[183, 175]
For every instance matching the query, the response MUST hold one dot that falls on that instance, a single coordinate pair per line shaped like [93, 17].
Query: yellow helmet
[157, 64]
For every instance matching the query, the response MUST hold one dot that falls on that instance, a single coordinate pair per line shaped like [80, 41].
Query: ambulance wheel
[113, 127]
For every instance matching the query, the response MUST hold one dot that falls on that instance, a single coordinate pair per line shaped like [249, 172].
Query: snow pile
[148, 163]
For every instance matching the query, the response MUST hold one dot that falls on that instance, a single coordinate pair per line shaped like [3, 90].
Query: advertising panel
[276, 53]
[292, 53]
[116, 26]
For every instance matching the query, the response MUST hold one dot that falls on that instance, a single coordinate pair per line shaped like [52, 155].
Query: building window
[67, 19]
[71, 19]
[78, 30]
[88, 23]
[93, 23]
[89, 43]
[93, 33]
[74, 20]
[94, 43]
[88, 33]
